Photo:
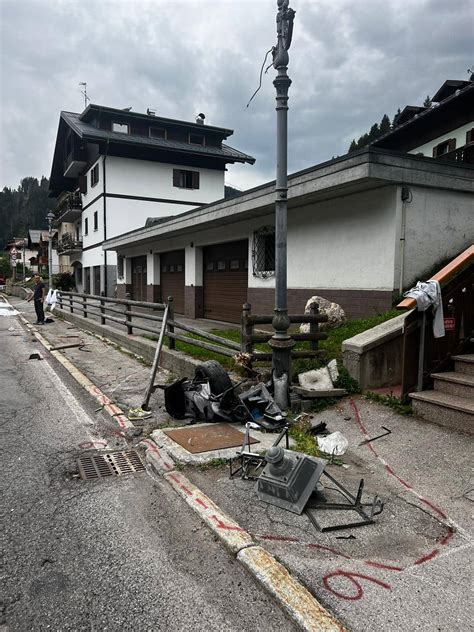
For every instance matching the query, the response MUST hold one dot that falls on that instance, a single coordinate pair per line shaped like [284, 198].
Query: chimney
[200, 118]
[151, 112]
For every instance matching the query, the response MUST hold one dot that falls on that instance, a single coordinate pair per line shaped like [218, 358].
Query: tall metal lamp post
[281, 342]
[50, 218]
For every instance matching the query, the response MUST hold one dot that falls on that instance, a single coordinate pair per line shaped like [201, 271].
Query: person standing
[38, 297]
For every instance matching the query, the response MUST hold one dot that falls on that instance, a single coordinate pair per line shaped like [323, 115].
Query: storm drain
[93, 466]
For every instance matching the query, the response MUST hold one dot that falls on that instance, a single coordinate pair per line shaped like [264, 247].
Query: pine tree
[384, 126]
[427, 102]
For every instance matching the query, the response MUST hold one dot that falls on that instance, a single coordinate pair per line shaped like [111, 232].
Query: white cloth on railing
[52, 298]
[428, 294]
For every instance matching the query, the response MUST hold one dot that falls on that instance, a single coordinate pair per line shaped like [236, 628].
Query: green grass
[331, 347]
[391, 401]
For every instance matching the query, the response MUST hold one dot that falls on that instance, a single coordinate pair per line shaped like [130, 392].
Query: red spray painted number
[353, 578]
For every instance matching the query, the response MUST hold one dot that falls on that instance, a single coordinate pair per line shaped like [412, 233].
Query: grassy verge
[391, 401]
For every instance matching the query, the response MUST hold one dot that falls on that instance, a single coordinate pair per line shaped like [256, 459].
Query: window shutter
[451, 144]
[83, 184]
[195, 179]
[470, 136]
[176, 177]
[435, 151]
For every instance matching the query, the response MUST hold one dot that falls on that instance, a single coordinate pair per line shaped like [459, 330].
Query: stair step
[445, 409]
[455, 383]
[464, 363]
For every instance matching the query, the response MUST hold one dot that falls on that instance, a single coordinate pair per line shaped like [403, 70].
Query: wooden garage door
[225, 280]
[172, 278]
[139, 278]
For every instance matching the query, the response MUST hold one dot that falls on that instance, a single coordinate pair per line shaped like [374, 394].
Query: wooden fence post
[246, 344]
[171, 341]
[313, 327]
[127, 316]
[70, 304]
[60, 296]
[102, 309]
[84, 306]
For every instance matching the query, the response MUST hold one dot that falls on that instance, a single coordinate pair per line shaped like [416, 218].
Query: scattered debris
[354, 504]
[251, 462]
[377, 437]
[35, 356]
[289, 478]
[262, 409]
[319, 382]
[335, 443]
[319, 429]
[68, 346]
[205, 438]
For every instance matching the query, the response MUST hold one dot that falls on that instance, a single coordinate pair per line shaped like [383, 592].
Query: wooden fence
[124, 312]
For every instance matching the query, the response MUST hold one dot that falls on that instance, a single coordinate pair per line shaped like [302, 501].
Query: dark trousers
[39, 310]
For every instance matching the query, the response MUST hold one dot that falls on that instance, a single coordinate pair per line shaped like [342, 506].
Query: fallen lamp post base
[251, 462]
[366, 511]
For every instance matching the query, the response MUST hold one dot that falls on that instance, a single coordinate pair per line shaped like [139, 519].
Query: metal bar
[255, 319]
[260, 355]
[119, 301]
[377, 437]
[156, 360]
[203, 345]
[207, 336]
[171, 340]
[300, 337]
[421, 354]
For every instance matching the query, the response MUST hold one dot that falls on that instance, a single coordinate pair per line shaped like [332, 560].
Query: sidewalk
[411, 570]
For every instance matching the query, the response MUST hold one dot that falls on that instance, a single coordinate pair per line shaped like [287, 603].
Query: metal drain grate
[93, 466]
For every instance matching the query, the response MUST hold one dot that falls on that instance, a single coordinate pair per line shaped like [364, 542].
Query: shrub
[64, 281]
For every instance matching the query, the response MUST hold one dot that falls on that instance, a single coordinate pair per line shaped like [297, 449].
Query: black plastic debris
[262, 409]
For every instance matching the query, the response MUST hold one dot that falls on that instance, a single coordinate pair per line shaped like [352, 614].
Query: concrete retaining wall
[17, 290]
[374, 357]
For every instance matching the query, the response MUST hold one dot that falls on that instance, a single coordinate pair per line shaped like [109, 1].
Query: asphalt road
[116, 554]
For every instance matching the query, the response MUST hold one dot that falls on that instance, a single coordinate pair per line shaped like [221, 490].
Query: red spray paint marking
[434, 508]
[183, 487]
[427, 558]
[386, 567]
[88, 445]
[202, 503]
[447, 537]
[225, 527]
[355, 582]
[278, 538]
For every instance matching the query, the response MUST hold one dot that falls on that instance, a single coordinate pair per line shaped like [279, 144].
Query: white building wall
[439, 225]
[345, 243]
[128, 176]
[459, 134]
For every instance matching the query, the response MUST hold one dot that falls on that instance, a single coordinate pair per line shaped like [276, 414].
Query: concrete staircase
[451, 402]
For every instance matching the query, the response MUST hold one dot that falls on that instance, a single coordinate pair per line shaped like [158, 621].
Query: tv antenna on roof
[84, 92]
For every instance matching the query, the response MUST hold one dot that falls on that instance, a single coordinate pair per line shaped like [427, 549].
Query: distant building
[38, 241]
[113, 169]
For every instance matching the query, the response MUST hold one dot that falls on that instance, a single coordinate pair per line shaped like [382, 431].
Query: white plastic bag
[335, 443]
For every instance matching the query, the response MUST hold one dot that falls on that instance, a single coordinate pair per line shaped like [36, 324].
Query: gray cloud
[349, 62]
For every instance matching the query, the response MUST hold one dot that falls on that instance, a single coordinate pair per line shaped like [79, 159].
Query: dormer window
[197, 139]
[122, 128]
[158, 132]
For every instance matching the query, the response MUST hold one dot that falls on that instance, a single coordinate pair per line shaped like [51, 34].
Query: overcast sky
[350, 62]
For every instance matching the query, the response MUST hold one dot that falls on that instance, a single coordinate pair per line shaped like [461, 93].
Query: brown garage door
[172, 278]
[139, 278]
[225, 280]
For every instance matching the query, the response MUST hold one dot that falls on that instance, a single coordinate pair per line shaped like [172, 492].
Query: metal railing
[68, 243]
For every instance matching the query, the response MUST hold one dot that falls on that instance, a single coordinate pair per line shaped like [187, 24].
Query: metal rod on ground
[156, 361]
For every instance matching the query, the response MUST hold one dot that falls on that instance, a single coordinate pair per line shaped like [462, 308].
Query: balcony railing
[68, 244]
[464, 155]
[69, 207]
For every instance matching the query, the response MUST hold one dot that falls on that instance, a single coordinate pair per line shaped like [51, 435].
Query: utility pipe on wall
[406, 198]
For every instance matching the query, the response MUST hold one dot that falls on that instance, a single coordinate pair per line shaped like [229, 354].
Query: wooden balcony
[68, 245]
[462, 156]
[69, 207]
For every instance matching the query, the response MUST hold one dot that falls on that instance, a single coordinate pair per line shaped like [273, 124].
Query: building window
[86, 226]
[444, 147]
[158, 132]
[120, 259]
[221, 265]
[197, 139]
[95, 175]
[185, 179]
[263, 252]
[122, 128]
[470, 136]
[96, 220]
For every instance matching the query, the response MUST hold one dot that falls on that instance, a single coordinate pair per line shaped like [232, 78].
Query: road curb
[108, 406]
[299, 604]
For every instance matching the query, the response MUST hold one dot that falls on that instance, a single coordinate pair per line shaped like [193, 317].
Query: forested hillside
[24, 208]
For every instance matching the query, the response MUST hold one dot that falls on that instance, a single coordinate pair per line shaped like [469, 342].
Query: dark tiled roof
[89, 132]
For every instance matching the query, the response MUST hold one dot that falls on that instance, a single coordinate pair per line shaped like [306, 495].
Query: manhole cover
[209, 437]
[109, 464]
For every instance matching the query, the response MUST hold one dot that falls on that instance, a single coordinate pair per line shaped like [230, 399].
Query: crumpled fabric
[428, 294]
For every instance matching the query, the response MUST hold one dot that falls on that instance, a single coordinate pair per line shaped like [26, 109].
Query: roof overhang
[359, 171]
